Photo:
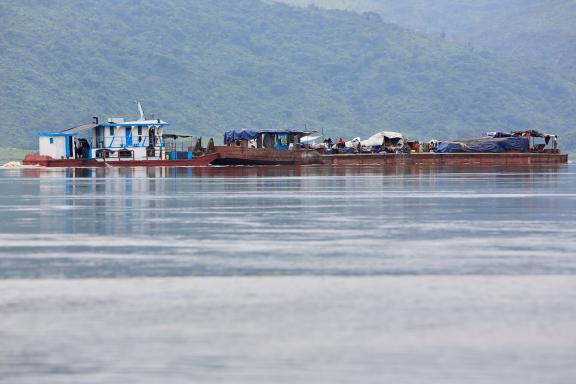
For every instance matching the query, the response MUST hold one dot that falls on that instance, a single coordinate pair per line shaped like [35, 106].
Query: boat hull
[441, 159]
[265, 156]
[249, 156]
[262, 156]
[46, 161]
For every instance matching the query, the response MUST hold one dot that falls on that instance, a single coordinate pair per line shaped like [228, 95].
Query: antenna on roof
[142, 118]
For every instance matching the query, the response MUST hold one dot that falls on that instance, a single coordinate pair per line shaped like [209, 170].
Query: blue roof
[134, 124]
[53, 134]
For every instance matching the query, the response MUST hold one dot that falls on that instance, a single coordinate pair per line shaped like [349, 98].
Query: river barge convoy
[148, 142]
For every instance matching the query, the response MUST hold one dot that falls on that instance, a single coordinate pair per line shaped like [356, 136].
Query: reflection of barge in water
[143, 142]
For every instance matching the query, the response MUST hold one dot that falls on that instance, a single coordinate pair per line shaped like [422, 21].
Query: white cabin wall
[118, 139]
[140, 140]
[109, 140]
[56, 150]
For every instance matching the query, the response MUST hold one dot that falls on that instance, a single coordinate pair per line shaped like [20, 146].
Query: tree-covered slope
[212, 65]
[543, 31]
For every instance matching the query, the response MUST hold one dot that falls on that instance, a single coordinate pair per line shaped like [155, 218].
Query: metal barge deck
[262, 156]
[444, 159]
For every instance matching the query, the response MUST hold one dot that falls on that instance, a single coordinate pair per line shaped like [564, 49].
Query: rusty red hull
[441, 159]
[46, 161]
[246, 156]
[262, 156]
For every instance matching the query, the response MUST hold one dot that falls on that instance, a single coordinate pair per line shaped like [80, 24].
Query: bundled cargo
[486, 145]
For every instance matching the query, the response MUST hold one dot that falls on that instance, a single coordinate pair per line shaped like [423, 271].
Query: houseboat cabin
[116, 139]
[57, 145]
[282, 140]
[141, 139]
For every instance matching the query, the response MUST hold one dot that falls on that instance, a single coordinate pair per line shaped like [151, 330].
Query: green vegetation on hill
[539, 30]
[211, 65]
[9, 154]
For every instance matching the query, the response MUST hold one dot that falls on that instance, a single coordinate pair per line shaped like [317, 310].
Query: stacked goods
[486, 145]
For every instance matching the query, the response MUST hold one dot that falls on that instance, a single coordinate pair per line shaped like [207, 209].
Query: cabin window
[51, 140]
[139, 131]
[111, 131]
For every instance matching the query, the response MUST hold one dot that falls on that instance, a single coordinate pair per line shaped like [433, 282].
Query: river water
[288, 275]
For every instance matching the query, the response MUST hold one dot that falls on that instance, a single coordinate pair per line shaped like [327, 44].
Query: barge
[146, 143]
[265, 147]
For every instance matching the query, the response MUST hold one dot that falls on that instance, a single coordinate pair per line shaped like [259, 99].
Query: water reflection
[284, 171]
[289, 220]
[439, 273]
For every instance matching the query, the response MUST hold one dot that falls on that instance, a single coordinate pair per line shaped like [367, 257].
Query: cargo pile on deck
[269, 147]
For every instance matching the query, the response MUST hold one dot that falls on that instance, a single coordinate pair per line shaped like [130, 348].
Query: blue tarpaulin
[252, 134]
[282, 142]
[486, 145]
[244, 134]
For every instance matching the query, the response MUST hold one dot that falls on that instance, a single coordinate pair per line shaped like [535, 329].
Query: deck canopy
[146, 123]
[381, 138]
[88, 127]
[175, 136]
[252, 134]
[309, 139]
[56, 134]
[80, 128]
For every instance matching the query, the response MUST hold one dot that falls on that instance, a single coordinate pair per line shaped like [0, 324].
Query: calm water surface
[288, 275]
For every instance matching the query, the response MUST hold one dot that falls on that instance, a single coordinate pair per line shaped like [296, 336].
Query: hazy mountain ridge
[540, 30]
[209, 66]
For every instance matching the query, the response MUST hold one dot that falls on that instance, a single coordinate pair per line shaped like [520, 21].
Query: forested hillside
[543, 31]
[212, 65]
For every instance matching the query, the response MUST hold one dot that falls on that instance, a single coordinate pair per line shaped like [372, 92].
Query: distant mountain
[543, 31]
[211, 65]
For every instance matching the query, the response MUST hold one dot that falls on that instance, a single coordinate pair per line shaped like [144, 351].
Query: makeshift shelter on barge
[270, 139]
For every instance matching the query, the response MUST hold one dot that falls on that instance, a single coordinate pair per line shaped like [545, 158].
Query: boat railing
[179, 145]
[116, 142]
[120, 154]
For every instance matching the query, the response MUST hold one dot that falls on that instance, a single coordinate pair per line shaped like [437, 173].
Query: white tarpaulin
[309, 139]
[353, 143]
[378, 139]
